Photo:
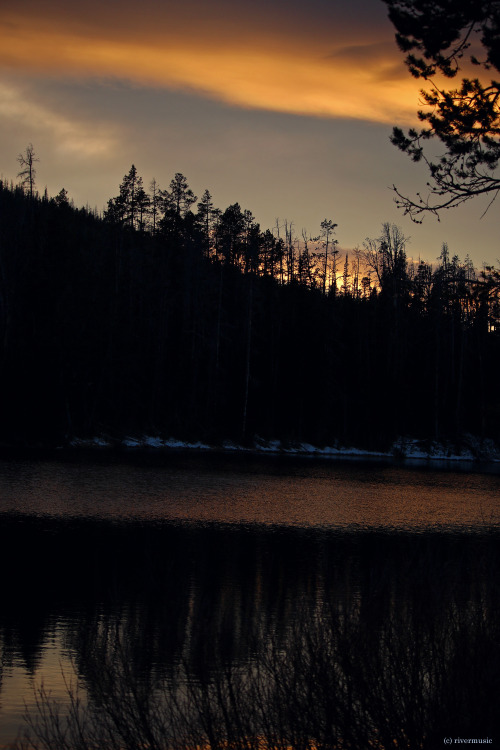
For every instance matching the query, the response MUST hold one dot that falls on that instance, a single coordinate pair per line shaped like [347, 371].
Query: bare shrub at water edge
[380, 674]
[121, 715]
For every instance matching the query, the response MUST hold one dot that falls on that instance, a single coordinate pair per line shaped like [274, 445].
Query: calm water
[203, 561]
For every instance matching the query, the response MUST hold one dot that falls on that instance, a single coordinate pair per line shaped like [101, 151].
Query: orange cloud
[314, 78]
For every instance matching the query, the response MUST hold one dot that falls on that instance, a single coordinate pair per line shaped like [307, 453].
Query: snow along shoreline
[471, 450]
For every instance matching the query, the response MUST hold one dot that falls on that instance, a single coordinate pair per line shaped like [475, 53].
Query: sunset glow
[309, 79]
[284, 107]
[249, 356]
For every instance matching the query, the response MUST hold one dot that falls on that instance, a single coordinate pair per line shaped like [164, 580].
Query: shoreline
[405, 451]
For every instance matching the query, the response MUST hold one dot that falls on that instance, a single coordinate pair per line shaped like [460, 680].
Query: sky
[283, 106]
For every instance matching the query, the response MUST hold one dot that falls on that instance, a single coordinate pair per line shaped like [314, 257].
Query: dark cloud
[377, 54]
[236, 18]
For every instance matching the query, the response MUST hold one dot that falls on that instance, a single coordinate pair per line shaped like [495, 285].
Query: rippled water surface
[274, 492]
[207, 560]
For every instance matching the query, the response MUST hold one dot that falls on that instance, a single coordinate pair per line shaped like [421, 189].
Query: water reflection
[274, 492]
[203, 634]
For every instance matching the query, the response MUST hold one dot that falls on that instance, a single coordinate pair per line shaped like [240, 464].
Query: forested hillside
[167, 316]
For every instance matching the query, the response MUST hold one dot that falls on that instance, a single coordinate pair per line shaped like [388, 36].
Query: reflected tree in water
[380, 642]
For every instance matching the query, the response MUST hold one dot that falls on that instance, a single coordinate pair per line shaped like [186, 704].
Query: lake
[207, 599]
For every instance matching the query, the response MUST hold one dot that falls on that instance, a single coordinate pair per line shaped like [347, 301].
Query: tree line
[168, 316]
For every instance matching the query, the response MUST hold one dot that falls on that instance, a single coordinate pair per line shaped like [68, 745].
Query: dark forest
[167, 316]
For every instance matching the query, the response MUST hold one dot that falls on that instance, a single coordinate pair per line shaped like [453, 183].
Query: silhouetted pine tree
[198, 326]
